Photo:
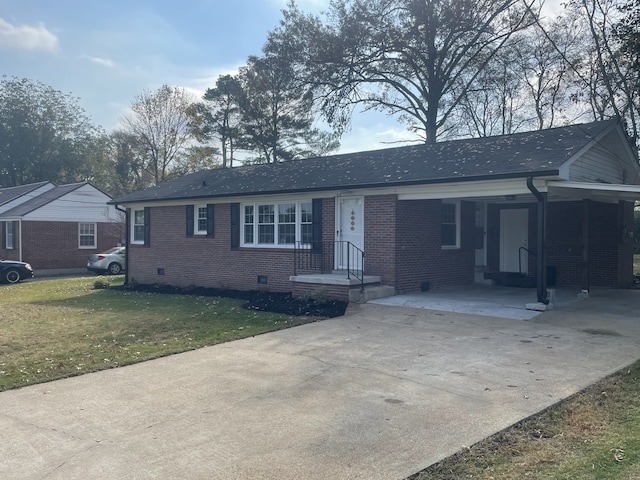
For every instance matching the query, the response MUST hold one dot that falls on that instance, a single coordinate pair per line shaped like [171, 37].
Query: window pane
[86, 241]
[248, 233]
[248, 224]
[266, 224]
[286, 224]
[287, 213]
[449, 225]
[306, 231]
[10, 235]
[202, 219]
[448, 213]
[266, 234]
[306, 213]
[265, 214]
[138, 217]
[248, 214]
[449, 235]
[138, 233]
[286, 233]
[86, 233]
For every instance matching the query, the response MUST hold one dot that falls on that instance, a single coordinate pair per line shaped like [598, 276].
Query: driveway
[377, 394]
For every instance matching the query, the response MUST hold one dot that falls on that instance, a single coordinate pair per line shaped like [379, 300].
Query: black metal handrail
[321, 257]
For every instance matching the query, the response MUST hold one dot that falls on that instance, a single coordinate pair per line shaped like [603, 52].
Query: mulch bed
[283, 303]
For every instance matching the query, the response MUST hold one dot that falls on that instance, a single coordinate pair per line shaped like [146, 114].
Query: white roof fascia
[602, 191]
[489, 188]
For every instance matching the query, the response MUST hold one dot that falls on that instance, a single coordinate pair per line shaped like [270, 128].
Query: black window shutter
[316, 212]
[189, 220]
[4, 235]
[235, 226]
[210, 222]
[147, 226]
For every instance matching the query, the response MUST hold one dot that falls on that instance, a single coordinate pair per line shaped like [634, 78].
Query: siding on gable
[599, 165]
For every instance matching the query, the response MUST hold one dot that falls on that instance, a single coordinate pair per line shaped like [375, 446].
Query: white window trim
[196, 212]
[457, 244]
[275, 244]
[133, 226]
[95, 236]
[10, 244]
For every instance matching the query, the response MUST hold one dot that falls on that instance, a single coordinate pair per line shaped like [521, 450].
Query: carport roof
[538, 153]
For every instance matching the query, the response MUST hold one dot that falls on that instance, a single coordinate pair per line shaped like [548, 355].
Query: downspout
[540, 277]
[126, 243]
[20, 242]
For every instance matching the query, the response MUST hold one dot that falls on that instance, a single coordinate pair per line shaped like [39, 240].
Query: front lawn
[59, 328]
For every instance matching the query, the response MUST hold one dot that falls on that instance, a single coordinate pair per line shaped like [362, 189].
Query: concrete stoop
[370, 292]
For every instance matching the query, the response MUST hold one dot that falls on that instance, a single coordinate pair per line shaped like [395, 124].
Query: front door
[514, 233]
[350, 228]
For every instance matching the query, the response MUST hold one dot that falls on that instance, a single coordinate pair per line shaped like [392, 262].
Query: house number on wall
[353, 220]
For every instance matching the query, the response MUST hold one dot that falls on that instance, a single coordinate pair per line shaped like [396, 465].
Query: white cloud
[26, 37]
[104, 62]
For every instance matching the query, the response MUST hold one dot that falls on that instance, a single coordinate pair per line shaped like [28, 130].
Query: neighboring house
[530, 209]
[57, 226]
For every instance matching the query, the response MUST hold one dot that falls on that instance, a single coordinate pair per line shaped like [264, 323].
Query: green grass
[59, 328]
[636, 264]
[594, 435]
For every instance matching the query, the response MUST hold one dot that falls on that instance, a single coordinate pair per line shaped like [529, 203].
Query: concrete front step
[370, 292]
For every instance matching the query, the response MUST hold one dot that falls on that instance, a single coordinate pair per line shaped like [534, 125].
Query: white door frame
[349, 226]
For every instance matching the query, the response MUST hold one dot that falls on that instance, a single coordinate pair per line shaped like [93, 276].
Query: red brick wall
[419, 252]
[202, 261]
[402, 245]
[54, 245]
[380, 237]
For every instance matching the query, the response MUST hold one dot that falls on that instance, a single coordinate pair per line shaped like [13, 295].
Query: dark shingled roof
[536, 153]
[10, 193]
[42, 199]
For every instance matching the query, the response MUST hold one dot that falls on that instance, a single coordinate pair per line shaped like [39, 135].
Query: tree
[609, 80]
[277, 114]
[44, 135]
[415, 59]
[194, 159]
[128, 164]
[220, 116]
[161, 121]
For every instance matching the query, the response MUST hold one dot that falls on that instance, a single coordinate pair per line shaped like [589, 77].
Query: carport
[482, 299]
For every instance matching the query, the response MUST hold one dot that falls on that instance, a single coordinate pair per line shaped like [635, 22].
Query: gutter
[333, 188]
[541, 274]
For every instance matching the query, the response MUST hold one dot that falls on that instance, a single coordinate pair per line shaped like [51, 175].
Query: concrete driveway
[377, 394]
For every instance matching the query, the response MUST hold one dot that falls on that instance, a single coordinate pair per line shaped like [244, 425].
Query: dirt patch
[274, 302]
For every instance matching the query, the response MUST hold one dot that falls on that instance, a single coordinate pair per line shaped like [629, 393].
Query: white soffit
[595, 191]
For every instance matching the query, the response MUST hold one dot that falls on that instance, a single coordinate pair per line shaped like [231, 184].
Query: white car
[113, 261]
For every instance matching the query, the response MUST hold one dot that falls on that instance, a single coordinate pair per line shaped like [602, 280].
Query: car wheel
[12, 276]
[114, 268]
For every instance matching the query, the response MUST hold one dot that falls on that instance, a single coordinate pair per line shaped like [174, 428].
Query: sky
[106, 52]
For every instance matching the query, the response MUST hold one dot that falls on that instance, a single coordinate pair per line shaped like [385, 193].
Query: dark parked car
[112, 261]
[13, 271]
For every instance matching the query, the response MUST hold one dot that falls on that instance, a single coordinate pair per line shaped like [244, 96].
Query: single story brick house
[56, 227]
[530, 209]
